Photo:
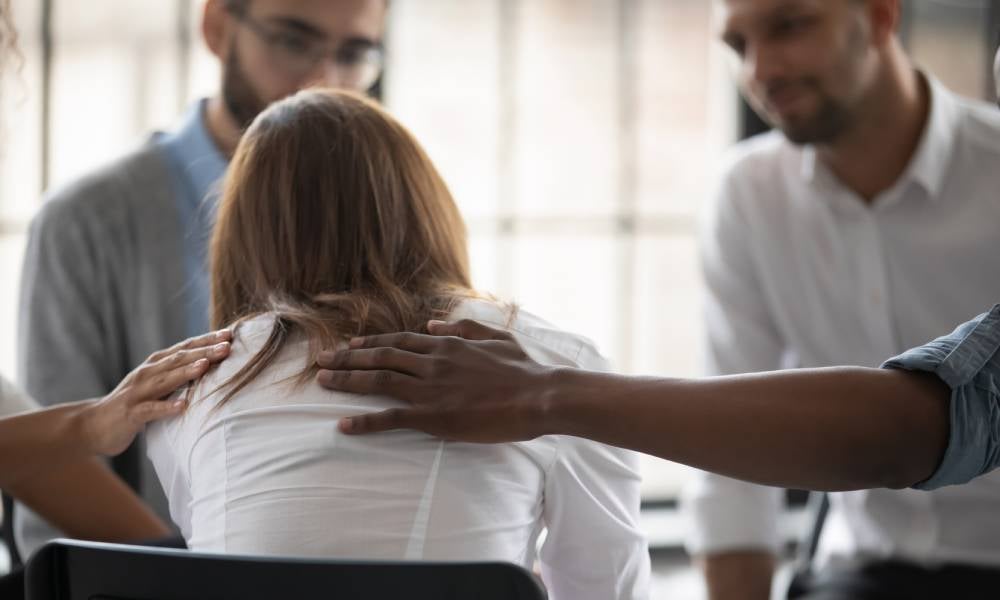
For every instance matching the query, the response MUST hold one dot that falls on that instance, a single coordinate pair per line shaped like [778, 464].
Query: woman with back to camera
[334, 223]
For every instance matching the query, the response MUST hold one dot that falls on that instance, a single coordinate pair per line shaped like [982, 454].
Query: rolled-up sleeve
[968, 361]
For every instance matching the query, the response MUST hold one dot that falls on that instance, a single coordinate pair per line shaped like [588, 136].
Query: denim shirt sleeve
[968, 361]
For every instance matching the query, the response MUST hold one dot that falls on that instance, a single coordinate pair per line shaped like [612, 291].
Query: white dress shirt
[802, 273]
[13, 400]
[268, 473]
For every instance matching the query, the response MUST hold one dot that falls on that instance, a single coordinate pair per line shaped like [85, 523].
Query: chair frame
[76, 570]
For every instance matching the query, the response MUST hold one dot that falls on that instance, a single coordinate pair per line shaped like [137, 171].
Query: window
[578, 137]
[954, 40]
[20, 175]
[111, 75]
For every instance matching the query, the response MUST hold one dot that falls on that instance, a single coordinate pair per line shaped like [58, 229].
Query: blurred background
[578, 136]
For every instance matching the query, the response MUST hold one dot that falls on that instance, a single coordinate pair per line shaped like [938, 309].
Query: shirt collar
[195, 153]
[808, 168]
[930, 163]
[929, 166]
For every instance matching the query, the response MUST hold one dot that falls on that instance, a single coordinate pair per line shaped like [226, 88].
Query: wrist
[556, 396]
[83, 426]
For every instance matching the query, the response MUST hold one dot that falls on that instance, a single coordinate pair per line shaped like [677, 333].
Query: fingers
[407, 344]
[374, 359]
[157, 409]
[387, 420]
[425, 344]
[468, 329]
[202, 341]
[411, 342]
[154, 381]
[417, 343]
[391, 383]
[155, 386]
[182, 358]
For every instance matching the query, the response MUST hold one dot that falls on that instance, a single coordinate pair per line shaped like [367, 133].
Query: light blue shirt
[968, 361]
[198, 168]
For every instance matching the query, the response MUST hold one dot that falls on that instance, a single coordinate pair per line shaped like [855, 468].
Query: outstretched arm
[86, 500]
[824, 429]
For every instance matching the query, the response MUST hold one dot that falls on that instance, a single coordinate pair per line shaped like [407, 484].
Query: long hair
[333, 218]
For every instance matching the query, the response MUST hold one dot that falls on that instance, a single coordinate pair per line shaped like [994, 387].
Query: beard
[238, 94]
[823, 126]
[833, 115]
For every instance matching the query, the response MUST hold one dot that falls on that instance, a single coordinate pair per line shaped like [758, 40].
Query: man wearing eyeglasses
[115, 266]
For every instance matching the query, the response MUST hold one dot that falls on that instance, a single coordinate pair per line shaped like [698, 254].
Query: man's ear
[885, 17]
[215, 22]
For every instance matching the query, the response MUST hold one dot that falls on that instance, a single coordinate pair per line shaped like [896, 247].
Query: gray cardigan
[102, 288]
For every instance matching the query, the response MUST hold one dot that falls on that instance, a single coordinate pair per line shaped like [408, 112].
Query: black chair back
[74, 570]
[7, 530]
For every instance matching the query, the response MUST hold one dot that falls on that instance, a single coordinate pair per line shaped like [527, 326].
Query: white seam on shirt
[418, 535]
[225, 488]
[543, 523]
[182, 464]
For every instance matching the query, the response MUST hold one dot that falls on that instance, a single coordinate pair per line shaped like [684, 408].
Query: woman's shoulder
[205, 413]
[251, 333]
[543, 341]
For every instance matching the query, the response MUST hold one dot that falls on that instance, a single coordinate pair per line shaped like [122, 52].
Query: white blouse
[269, 473]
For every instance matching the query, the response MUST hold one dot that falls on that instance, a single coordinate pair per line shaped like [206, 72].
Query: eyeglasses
[359, 62]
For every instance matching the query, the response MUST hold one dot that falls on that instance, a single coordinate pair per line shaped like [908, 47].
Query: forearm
[41, 439]
[86, 500]
[821, 429]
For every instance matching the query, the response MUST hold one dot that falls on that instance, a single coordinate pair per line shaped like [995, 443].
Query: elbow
[898, 463]
[908, 462]
[918, 464]
[914, 449]
[903, 477]
[896, 475]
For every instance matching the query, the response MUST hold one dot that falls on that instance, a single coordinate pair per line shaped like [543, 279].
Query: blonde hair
[333, 218]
